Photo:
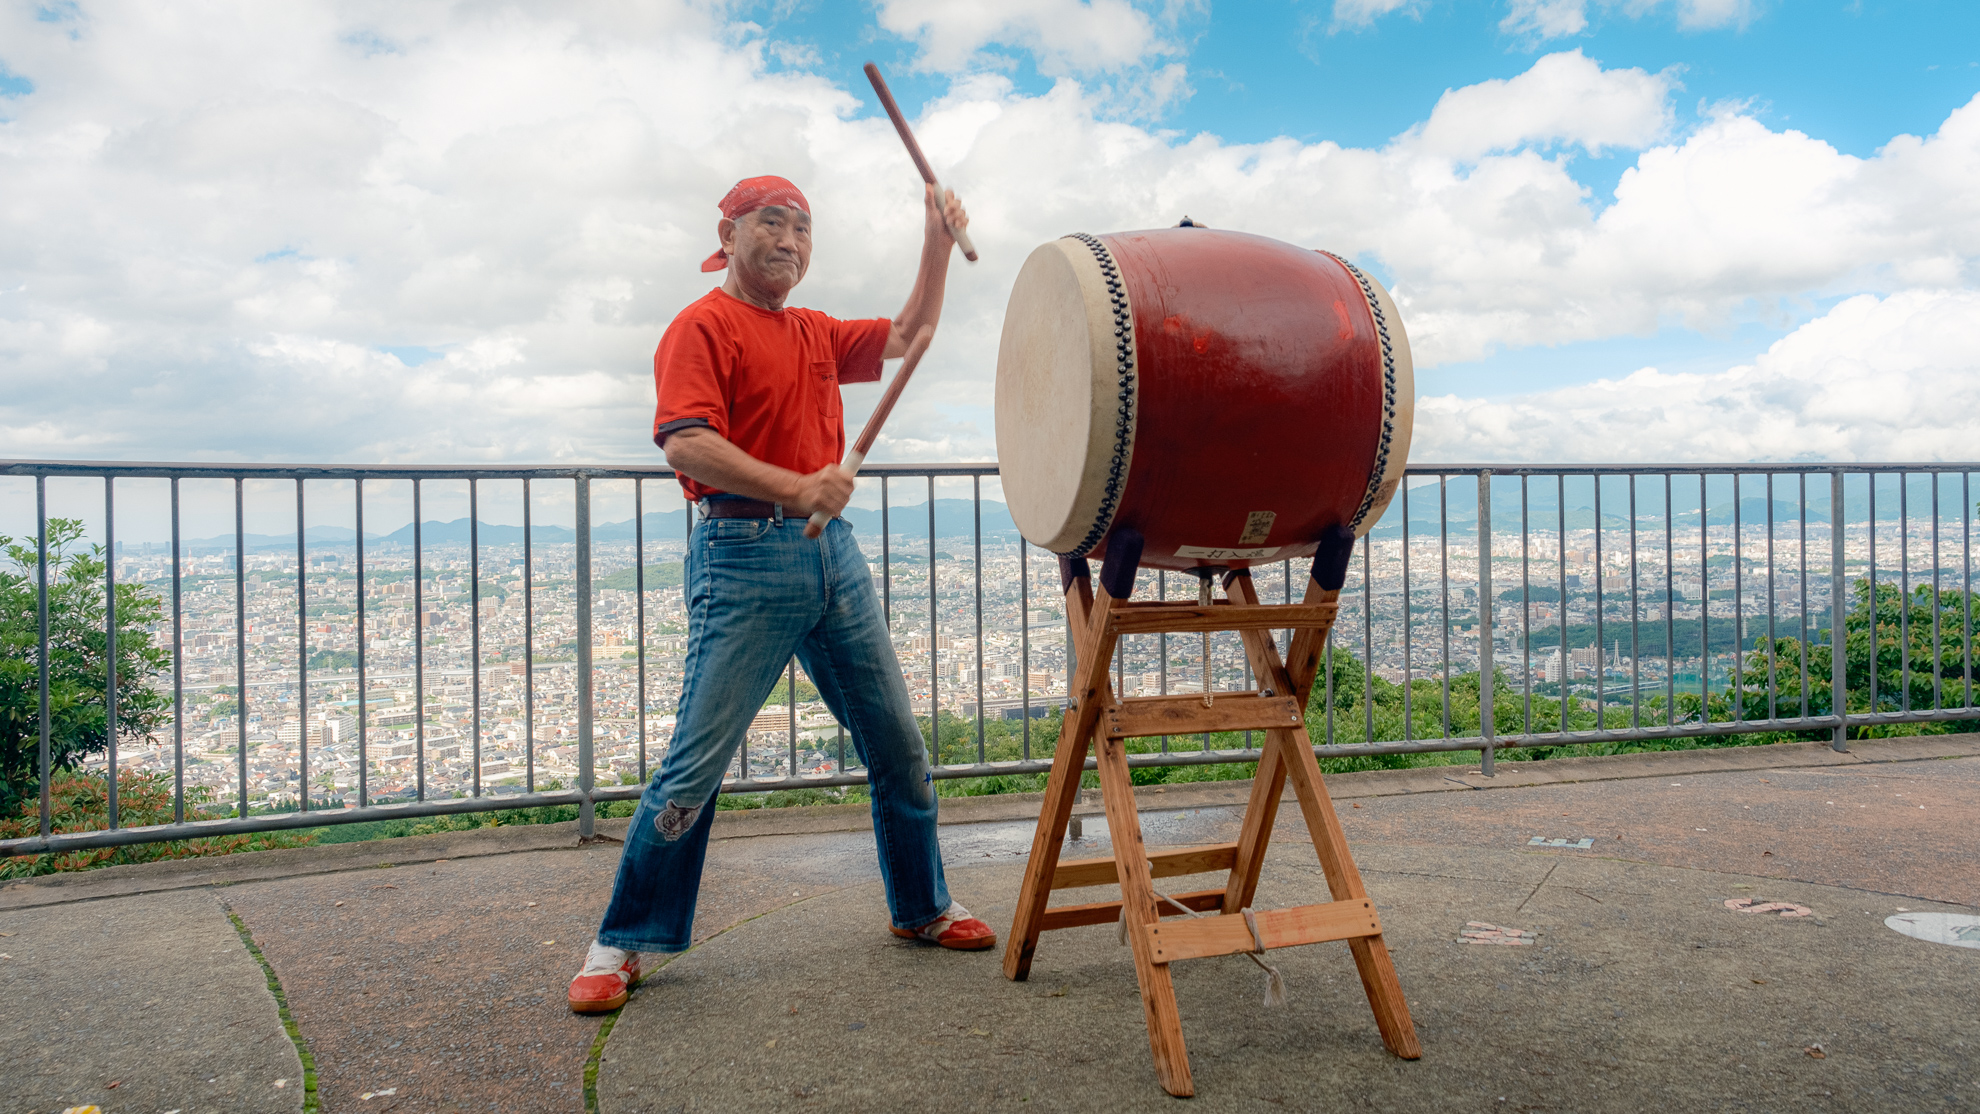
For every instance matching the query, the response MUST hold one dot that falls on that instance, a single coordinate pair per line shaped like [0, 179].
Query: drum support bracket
[1101, 721]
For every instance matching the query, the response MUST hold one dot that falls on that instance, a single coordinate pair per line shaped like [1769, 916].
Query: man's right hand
[707, 456]
[828, 490]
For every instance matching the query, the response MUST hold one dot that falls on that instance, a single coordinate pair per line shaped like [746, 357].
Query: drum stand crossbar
[1104, 721]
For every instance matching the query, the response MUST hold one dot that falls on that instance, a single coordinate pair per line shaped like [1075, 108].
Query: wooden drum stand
[1106, 722]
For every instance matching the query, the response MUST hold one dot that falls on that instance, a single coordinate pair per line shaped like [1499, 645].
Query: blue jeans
[759, 591]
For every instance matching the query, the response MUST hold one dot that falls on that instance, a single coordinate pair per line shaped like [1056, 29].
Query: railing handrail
[231, 469]
[96, 469]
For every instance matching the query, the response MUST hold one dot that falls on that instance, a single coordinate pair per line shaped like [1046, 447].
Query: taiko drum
[1229, 396]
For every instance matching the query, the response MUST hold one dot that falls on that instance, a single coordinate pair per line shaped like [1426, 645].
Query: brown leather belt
[740, 508]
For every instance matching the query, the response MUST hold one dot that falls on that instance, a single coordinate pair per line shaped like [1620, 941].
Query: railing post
[474, 627]
[1838, 611]
[240, 643]
[934, 642]
[44, 762]
[529, 648]
[1075, 830]
[586, 777]
[419, 653]
[1485, 673]
[302, 655]
[178, 668]
[639, 611]
[363, 705]
[110, 643]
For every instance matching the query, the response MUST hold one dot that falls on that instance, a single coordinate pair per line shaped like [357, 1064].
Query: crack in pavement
[1542, 883]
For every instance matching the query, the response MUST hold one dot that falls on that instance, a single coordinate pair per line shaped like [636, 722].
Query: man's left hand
[943, 215]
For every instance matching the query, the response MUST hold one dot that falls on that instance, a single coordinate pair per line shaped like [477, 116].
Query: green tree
[77, 660]
[333, 661]
[1906, 632]
[781, 695]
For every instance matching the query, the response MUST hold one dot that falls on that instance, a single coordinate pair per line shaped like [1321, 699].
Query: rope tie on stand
[1275, 980]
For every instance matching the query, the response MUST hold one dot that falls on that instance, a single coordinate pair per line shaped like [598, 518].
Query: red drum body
[1228, 396]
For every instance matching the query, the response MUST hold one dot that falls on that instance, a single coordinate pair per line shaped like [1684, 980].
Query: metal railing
[1423, 618]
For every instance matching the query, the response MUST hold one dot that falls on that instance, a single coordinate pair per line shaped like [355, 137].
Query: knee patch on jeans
[674, 821]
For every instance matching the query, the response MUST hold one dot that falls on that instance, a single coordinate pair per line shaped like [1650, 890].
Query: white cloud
[488, 353]
[210, 240]
[1545, 19]
[1540, 20]
[1705, 15]
[1064, 36]
[1121, 52]
[1362, 13]
[1564, 98]
[1894, 378]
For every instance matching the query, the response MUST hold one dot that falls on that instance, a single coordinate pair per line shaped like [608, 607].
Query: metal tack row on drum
[1230, 397]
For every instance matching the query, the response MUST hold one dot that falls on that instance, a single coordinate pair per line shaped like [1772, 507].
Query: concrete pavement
[1642, 989]
[149, 1005]
[426, 972]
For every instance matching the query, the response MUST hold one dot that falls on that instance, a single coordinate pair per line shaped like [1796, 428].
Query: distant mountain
[315, 537]
[953, 518]
[1545, 495]
[456, 532]
[659, 526]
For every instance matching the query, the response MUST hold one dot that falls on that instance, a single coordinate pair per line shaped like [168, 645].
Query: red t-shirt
[766, 380]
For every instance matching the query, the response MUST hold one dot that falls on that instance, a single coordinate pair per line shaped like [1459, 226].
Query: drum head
[1064, 430]
[1399, 409]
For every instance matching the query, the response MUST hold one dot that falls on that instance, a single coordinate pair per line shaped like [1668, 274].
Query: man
[749, 416]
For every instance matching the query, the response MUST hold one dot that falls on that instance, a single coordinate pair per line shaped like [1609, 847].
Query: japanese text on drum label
[1216, 553]
[1257, 527]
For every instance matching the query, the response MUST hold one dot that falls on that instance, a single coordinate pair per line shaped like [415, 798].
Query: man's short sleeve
[858, 346]
[691, 376]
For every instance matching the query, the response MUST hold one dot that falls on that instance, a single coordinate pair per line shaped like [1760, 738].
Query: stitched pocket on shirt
[825, 385]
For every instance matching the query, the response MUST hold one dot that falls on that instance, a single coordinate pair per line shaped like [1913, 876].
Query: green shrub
[80, 802]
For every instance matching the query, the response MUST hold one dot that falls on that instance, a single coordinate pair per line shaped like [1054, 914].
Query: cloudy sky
[390, 232]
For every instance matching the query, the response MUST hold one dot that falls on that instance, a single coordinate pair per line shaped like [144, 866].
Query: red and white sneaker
[953, 929]
[606, 981]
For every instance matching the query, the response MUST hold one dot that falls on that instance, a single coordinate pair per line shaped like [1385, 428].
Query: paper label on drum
[1257, 527]
[1218, 553]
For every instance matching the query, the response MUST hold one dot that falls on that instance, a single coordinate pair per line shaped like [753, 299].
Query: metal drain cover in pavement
[1582, 844]
[1957, 929]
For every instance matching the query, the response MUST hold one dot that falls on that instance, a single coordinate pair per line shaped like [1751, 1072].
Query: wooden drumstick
[857, 457]
[914, 152]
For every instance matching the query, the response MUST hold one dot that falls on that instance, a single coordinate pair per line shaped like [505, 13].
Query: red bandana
[748, 196]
